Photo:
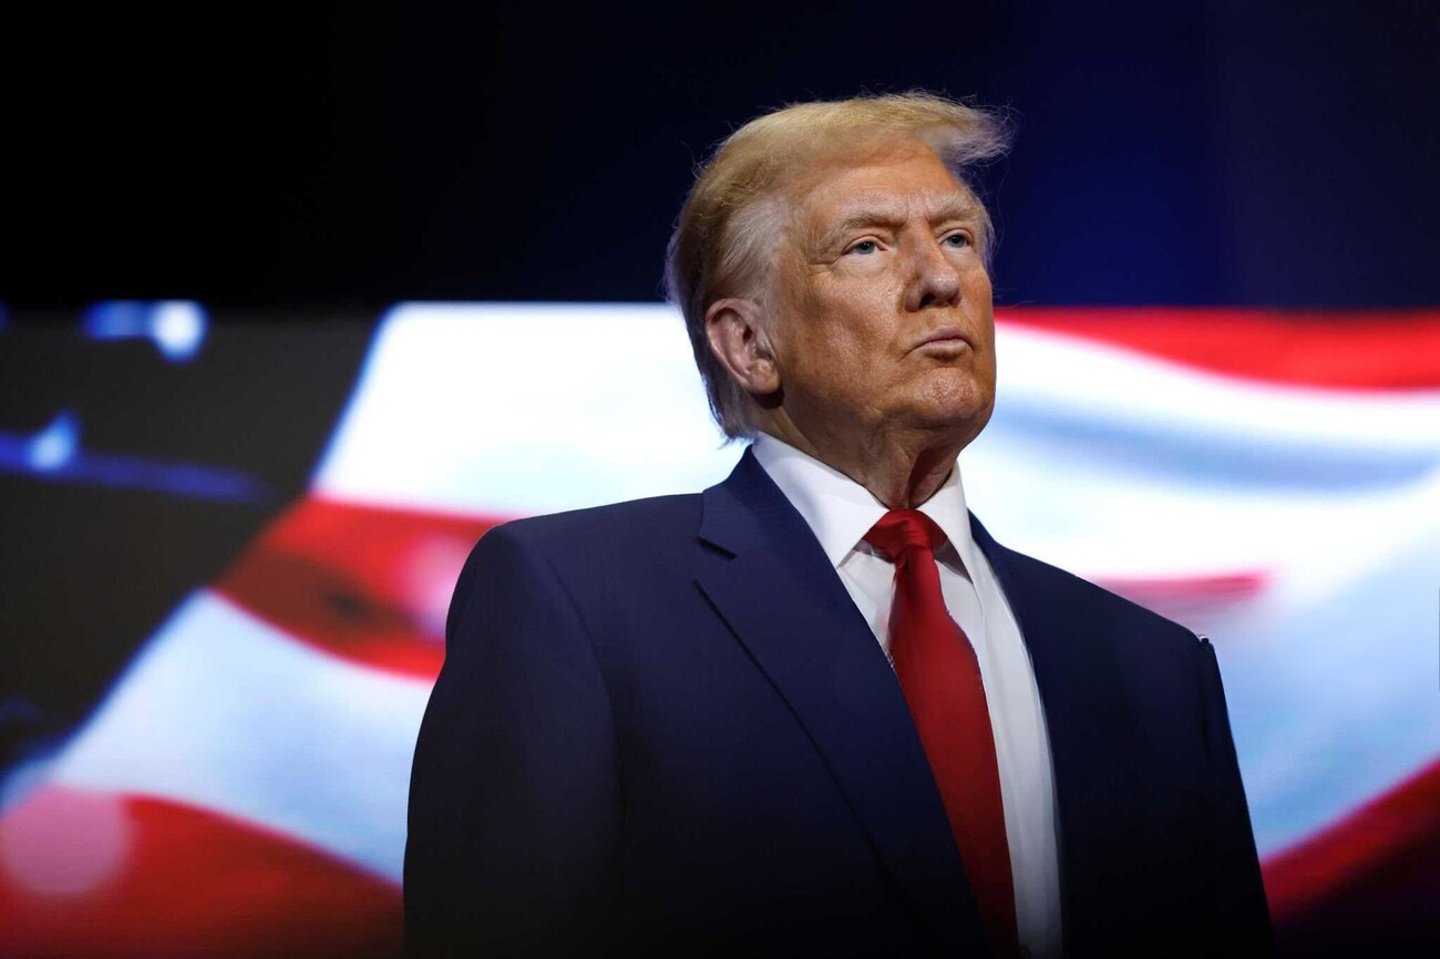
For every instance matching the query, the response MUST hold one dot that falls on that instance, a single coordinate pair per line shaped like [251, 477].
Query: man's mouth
[944, 339]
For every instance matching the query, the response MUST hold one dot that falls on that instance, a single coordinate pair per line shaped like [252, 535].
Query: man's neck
[900, 469]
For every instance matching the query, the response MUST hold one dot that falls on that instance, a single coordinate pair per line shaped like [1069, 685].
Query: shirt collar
[840, 511]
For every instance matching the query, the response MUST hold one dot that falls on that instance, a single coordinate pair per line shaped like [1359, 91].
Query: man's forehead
[955, 204]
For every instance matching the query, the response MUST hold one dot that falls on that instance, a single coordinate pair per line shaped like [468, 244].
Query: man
[817, 710]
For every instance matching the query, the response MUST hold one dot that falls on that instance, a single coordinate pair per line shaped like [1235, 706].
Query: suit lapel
[782, 599]
[1089, 726]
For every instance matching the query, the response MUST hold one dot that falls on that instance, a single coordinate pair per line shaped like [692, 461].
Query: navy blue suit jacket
[663, 727]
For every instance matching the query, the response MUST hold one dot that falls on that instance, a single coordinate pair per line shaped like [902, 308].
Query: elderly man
[816, 709]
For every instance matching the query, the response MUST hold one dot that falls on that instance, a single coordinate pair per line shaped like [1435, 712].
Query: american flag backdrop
[238, 785]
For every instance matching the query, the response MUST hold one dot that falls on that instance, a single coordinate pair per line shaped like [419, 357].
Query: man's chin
[952, 422]
[959, 403]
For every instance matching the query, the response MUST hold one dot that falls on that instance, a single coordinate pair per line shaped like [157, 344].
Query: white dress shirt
[840, 512]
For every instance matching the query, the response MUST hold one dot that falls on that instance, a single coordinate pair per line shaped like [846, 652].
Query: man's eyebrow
[952, 208]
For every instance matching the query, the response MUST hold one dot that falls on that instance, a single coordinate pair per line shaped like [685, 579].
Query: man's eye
[865, 246]
[958, 239]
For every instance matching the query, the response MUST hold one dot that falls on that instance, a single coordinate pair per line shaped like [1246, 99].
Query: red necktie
[940, 677]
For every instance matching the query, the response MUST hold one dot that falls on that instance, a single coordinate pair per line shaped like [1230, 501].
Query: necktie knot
[902, 530]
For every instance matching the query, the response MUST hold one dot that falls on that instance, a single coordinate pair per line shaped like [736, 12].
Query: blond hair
[730, 226]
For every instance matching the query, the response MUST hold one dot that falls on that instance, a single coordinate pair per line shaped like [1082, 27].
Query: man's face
[884, 306]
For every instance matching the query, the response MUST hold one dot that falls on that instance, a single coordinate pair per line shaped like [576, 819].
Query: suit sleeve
[1240, 920]
[514, 805]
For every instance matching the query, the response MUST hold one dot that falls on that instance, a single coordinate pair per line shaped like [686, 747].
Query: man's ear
[740, 342]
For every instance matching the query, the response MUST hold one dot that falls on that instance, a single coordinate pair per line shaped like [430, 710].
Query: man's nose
[936, 281]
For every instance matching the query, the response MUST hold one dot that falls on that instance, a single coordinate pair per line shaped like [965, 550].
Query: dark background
[1217, 152]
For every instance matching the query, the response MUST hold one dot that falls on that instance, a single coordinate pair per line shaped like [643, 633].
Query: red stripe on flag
[1215, 588]
[94, 874]
[1193, 600]
[1369, 882]
[367, 583]
[1393, 349]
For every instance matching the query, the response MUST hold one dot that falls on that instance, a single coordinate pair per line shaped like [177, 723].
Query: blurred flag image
[237, 785]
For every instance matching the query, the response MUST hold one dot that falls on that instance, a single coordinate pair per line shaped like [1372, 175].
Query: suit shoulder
[615, 520]
[583, 546]
[588, 540]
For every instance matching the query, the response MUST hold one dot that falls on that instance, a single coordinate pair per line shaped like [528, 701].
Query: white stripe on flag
[515, 409]
[224, 712]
